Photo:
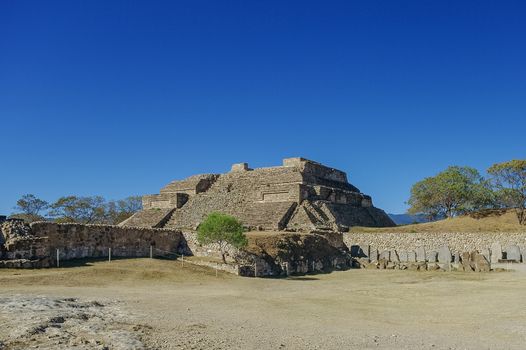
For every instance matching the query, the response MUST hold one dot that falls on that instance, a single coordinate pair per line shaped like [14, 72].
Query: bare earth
[155, 304]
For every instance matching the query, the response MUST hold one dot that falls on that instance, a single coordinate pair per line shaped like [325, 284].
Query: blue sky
[116, 98]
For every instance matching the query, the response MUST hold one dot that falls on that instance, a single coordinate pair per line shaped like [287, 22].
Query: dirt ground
[155, 304]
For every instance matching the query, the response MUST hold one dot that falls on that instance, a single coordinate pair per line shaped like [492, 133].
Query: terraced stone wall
[457, 242]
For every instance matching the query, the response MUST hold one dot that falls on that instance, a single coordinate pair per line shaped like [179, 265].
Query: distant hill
[406, 219]
[483, 221]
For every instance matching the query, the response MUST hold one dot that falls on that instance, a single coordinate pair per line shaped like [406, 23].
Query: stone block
[239, 167]
[444, 255]
[496, 252]
[513, 252]
[411, 257]
[481, 264]
[385, 255]
[394, 256]
[360, 251]
[403, 256]
[420, 254]
[373, 254]
[432, 256]
[486, 254]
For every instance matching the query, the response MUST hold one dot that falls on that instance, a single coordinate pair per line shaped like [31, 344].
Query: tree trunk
[521, 215]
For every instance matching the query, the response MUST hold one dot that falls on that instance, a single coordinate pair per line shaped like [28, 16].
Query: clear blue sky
[116, 98]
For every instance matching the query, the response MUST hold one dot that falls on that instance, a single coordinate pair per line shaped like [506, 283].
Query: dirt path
[159, 305]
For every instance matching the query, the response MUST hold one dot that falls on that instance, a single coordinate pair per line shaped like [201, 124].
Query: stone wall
[459, 242]
[36, 245]
[41, 240]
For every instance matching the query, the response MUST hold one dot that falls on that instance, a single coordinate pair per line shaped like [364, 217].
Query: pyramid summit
[300, 195]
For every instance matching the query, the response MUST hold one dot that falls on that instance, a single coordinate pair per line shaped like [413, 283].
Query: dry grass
[491, 221]
[190, 308]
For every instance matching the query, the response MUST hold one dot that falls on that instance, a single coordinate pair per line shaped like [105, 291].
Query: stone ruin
[301, 195]
[369, 257]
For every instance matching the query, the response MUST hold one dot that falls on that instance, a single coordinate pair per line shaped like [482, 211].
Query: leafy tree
[454, 191]
[222, 230]
[31, 205]
[120, 210]
[85, 210]
[510, 181]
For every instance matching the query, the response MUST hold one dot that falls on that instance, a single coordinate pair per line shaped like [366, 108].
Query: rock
[486, 253]
[480, 262]
[496, 253]
[513, 252]
[444, 255]
[420, 254]
[385, 255]
[413, 266]
[433, 266]
[360, 251]
[394, 256]
[456, 258]
[382, 263]
[411, 256]
[373, 255]
[466, 263]
[361, 263]
[403, 256]
[432, 257]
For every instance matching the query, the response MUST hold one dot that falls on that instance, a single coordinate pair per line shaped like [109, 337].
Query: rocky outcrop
[290, 253]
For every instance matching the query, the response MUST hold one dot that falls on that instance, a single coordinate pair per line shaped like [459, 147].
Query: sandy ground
[154, 304]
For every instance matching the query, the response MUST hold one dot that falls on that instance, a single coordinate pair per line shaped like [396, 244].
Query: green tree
[31, 205]
[85, 210]
[120, 210]
[30, 208]
[454, 191]
[222, 230]
[510, 181]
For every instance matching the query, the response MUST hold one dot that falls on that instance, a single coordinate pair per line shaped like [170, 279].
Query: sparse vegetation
[29, 208]
[86, 210]
[485, 221]
[510, 183]
[452, 192]
[462, 190]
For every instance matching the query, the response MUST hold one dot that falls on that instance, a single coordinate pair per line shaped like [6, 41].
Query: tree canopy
[86, 210]
[223, 230]
[453, 191]
[29, 204]
[509, 179]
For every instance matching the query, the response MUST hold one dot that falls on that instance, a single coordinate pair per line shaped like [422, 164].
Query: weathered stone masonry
[35, 245]
[301, 195]
[443, 248]
[39, 241]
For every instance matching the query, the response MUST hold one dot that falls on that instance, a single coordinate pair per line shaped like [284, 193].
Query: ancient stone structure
[39, 244]
[447, 251]
[502, 243]
[300, 195]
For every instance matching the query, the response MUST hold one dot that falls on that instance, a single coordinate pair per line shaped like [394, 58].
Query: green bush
[222, 230]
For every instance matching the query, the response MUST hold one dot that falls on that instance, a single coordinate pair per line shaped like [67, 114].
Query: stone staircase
[155, 218]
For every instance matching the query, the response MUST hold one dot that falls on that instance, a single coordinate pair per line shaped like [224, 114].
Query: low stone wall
[74, 241]
[457, 242]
